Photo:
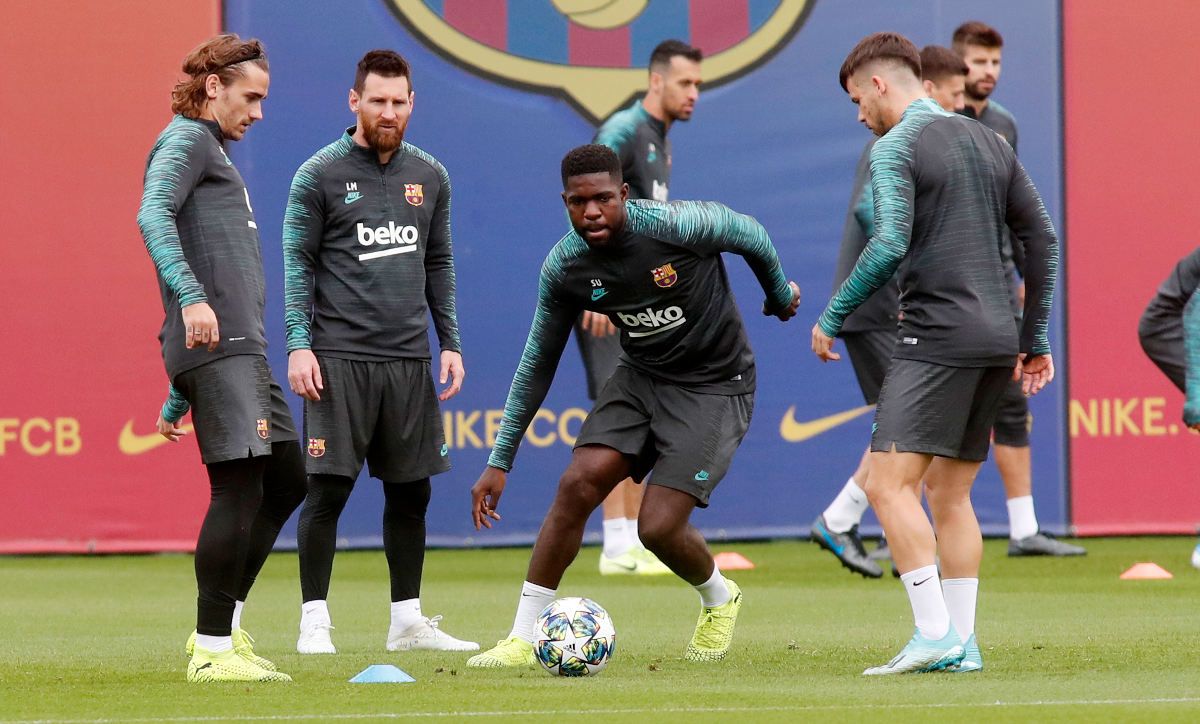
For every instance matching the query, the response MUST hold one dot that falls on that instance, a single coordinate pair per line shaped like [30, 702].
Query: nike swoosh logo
[793, 431]
[351, 198]
[598, 293]
[628, 567]
[131, 443]
[923, 580]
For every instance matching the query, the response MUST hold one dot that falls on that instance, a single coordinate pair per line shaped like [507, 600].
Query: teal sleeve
[864, 210]
[707, 227]
[892, 191]
[1191, 344]
[439, 268]
[303, 228]
[552, 322]
[1033, 233]
[175, 407]
[175, 168]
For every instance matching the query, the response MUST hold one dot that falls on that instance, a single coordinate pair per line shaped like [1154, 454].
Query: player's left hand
[1034, 373]
[822, 345]
[170, 430]
[790, 310]
[453, 370]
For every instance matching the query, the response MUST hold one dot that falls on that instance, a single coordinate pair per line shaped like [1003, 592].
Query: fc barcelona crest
[414, 194]
[594, 52]
[316, 447]
[264, 429]
[665, 276]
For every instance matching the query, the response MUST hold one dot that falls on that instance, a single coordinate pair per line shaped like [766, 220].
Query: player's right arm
[548, 334]
[175, 167]
[303, 228]
[893, 191]
[1033, 231]
[552, 322]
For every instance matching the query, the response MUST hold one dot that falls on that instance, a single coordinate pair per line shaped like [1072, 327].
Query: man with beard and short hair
[980, 46]
[367, 259]
[638, 135]
[679, 402]
[198, 227]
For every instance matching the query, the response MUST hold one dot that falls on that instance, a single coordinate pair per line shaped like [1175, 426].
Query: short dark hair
[667, 49]
[974, 32]
[592, 158]
[384, 63]
[939, 62]
[889, 47]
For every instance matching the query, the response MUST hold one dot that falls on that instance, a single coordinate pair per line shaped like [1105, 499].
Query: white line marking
[642, 710]
[386, 252]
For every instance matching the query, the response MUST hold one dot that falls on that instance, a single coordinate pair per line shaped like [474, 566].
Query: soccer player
[980, 46]
[945, 187]
[638, 135]
[197, 224]
[367, 260]
[870, 332]
[1169, 331]
[679, 402]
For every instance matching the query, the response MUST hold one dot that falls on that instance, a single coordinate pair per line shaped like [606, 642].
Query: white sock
[713, 592]
[237, 613]
[406, 613]
[215, 644]
[631, 533]
[846, 510]
[533, 599]
[1022, 522]
[616, 541]
[314, 611]
[961, 594]
[928, 603]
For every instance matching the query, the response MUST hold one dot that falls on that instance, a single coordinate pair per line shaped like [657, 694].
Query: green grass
[92, 639]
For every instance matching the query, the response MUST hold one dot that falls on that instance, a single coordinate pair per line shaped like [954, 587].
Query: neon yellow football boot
[714, 629]
[243, 645]
[512, 651]
[207, 666]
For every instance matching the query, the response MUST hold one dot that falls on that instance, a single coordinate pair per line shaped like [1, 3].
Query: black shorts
[938, 410]
[870, 354]
[238, 409]
[384, 412]
[687, 438]
[1013, 422]
[600, 356]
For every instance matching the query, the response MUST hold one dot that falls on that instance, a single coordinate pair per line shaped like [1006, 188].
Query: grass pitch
[101, 639]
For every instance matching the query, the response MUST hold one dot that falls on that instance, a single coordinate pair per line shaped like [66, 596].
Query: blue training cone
[381, 674]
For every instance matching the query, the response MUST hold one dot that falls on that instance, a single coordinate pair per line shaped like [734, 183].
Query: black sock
[404, 535]
[224, 541]
[283, 491]
[317, 533]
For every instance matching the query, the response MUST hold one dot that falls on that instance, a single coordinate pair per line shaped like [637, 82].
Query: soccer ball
[574, 637]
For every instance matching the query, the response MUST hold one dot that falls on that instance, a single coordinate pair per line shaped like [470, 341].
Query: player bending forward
[679, 402]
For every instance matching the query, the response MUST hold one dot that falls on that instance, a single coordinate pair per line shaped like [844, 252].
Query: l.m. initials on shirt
[398, 239]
